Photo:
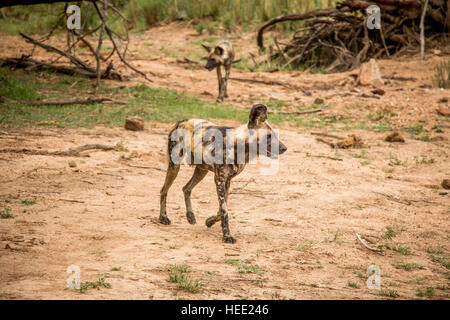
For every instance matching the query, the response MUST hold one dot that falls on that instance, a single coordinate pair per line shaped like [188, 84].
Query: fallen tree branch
[63, 102]
[295, 112]
[247, 193]
[331, 144]
[72, 152]
[394, 198]
[325, 157]
[25, 62]
[378, 250]
[266, 82]
[71, 200]
[326, 135]
[146, 167]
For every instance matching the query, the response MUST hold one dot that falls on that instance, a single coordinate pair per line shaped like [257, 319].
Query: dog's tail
[168, 159]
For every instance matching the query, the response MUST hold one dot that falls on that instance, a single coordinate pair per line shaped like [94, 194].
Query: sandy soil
[298, 226]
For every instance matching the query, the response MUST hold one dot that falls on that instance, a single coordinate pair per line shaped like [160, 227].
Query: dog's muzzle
[211, 64]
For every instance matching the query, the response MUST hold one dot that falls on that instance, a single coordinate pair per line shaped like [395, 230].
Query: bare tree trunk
[422, 30]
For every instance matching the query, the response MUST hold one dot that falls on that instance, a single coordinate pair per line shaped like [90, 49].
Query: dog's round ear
[258, 115]
[218, 50]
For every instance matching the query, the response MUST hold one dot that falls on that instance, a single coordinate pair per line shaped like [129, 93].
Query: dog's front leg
[221, 84]
[222, 184]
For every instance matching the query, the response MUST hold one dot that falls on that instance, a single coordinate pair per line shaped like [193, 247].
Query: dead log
[26, 62]
[267, 82]
[295, 112]
[72, 152]
[89, 100]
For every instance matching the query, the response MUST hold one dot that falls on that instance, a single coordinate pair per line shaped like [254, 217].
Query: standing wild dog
[221, 55]
[222, 150]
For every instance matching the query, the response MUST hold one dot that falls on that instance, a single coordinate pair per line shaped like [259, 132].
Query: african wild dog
[200, 136]
[221, 55]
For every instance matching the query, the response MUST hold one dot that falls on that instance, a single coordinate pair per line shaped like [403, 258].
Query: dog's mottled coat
[224, 171]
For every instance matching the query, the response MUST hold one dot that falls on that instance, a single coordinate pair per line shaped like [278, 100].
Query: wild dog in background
[201, 135]
[221, 55]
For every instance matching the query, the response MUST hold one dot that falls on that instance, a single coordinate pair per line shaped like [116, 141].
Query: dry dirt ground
[296, 230]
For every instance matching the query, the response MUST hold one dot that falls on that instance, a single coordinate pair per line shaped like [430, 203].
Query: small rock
[443, 100]
[443, 111]
[319, 101]
[369, 74]
[307, 93]
[134, 124]
[445, 184]
[394, 137]
[72, 164]
[379, 91]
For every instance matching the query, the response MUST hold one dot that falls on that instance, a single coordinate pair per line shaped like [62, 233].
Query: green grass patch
[428, 292]
[100, 283]
[179, 274]
[153, 104]
[28, 202]
[389, 293]
[434, 251]
[403, 250]
[390, 233]
[415, 129]
[353, 285]
[245, 268]
[6, 214]
[423, 160]
[394, 160]
[442, 260]
[409, 266]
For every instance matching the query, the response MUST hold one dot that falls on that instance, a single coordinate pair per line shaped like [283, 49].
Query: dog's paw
[229, 239]
[191, 217]
[210, 221]
[219, 100]
[164, 220]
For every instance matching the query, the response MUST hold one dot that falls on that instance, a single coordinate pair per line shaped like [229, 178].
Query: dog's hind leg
[198, 176]
[222, 186]
[227, 76]
[172, 172]
[213, 219]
